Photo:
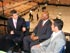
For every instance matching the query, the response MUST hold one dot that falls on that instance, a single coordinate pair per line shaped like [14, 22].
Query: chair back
[63, 49]
[28, 24]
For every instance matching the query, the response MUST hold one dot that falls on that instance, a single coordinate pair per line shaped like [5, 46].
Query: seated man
[41, 32]
[16, 27]
[55, 43]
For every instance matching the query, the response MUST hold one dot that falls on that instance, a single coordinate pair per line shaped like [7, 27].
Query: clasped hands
[34, 37]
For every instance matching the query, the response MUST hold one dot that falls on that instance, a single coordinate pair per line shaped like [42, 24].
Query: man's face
[45, 16]
[15, 16]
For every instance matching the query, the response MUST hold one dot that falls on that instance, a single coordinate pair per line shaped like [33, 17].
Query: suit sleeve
[46, 35]
[45, 43]
[23, 23]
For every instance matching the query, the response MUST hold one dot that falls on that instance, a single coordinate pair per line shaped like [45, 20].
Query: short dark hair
[59, 23]
[13, 12]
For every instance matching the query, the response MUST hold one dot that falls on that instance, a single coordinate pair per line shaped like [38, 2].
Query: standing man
[56, 43]
[16, 26]
[41, 32]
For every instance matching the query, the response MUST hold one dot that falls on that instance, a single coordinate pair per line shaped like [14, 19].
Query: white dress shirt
[44, 22]
[15, 22]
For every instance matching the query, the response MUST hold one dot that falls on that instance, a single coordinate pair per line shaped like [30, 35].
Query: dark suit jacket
[18, 30]
[43, 32]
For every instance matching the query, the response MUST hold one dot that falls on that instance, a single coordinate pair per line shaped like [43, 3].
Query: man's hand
[12, 32]
[33, 37]
[23, 29]
[38, 46]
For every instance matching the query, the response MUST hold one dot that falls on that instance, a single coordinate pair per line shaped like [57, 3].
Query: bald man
[41, 32]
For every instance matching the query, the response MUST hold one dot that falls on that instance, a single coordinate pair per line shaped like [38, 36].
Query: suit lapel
[46, 23]
[45, 26]
[17, 25]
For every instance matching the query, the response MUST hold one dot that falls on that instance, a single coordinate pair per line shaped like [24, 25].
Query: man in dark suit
[41, 32]
[16, 27]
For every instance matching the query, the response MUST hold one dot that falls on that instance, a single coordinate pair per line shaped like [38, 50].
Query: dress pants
[28, 43]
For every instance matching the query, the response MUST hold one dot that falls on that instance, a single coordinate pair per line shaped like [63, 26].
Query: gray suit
[49, 46]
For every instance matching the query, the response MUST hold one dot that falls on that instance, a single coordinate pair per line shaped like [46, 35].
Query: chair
[63, 49]
[28, 27]
[28, 24]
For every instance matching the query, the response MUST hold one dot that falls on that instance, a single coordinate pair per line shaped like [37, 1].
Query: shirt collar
[56, 33]
[45, 20]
